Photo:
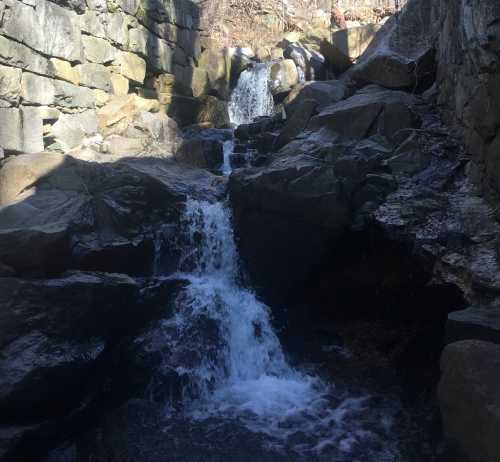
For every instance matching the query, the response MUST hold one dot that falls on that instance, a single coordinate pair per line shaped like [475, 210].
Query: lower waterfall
[235, 368]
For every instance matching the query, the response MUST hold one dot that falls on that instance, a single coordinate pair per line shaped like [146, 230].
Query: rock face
[62, 59]
[477, 322]
[372, 110]
[401, 55]
[470, 403]
[58, 336]
[93, 214]
[468, 79]
[347, 45]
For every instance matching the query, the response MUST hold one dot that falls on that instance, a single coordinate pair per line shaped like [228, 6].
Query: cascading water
[237, 370]
[233, 370]
[252, 96]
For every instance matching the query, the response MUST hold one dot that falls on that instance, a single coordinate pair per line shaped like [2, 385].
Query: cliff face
[62, 60]
[469, 83]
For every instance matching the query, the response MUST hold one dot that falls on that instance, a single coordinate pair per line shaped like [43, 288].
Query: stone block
[36, 89]
[11, 136]
[32, 129]
[64, 70]
[95, 76]
[116, 27]
[17, 55]
[71, 129]
[131, 66]
[119, 84]
[46, 27]
[91, 23]
[72, 96]
[10, 84]
[98, 50]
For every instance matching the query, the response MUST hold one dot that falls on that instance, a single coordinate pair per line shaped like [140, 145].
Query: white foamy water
[252, 96]
[239, 370]
[228, 149]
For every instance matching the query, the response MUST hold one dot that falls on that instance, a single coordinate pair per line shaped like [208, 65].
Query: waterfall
[252, 96]
[226, 349]
[228, 150]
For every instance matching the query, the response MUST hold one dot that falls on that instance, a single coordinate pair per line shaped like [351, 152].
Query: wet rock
[52, 332]
[469, 400]
[201, 153]
[477, 322]
[90, 207]
[277, 209]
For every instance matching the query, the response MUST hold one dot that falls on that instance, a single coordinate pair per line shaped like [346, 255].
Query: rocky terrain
[365, 209]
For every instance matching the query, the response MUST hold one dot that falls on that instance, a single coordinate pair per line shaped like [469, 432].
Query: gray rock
[277, 209]
[284, 76]
[467, 81]
[469, 398]
[10, 84]
[71, 129]
[73, 96]
[324, 93]
[160, 55]
[131, 66]
[476, 322]
[310, 61]
[297, 122]
[116, 27]
[47, 28]
[15, 54]
[90, 213]
[36, 89]
[11, 135]
[92, 24]
[32, 126]
[95, 76]
[401, 54]
[97, 50]
[371, 110]
[201, 153]
[409, 158]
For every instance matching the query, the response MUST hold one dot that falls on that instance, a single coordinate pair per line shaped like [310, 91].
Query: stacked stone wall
[60, 61]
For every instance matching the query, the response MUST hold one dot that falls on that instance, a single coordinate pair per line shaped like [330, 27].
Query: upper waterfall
[252, 96]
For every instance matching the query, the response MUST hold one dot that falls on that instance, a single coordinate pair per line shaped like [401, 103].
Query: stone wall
[469, 82]
[61, 60]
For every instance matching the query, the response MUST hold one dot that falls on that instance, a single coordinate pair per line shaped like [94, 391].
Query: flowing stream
[239, 384]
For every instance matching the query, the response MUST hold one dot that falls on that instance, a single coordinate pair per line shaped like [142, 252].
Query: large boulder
[324, 93]
[310, 62]
[285, 216]
[469, 398]
[371, 110]
[93, 211]
[296, 123]
[401, 55]
[347, 45]
[477, 322]
[57, 351]
[283, 76]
